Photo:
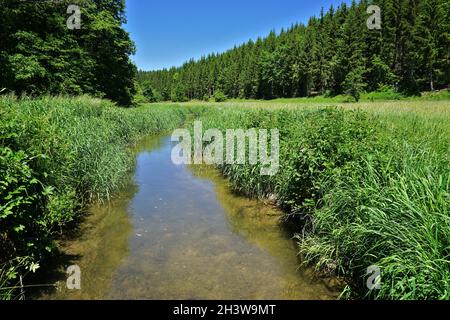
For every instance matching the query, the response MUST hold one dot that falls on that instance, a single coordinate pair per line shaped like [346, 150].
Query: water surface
[179, 232]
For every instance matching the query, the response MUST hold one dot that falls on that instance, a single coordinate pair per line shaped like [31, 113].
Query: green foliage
[354, 84]
[333, 53]
[56, 156]
[178, 93]
[20, 194]
[384, 93]
[382, 75]
[40, 55]
[10, 276]
[431, 33]
[151, 94]
[362, 189]
[219, 96]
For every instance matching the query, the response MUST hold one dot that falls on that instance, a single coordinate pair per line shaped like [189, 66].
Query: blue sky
[169, 32]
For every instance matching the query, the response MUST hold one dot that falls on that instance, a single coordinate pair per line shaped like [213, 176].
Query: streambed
[179, 232]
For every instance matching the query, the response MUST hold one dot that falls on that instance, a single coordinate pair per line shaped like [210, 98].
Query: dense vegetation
[39, 54]
[56, 156]
[362, 189]
[334, 53]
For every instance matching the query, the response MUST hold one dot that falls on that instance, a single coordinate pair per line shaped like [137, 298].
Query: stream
[179, 232]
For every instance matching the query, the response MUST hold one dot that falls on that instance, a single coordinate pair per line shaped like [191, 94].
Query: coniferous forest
[335, 53]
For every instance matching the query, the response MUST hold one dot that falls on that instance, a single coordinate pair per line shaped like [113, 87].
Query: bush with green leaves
[219, 96]
[177, 94]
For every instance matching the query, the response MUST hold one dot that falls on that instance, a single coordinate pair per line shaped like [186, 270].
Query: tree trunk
[431, 81]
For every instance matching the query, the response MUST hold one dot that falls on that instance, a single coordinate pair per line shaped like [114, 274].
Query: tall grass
[56, 156]
[363, 188]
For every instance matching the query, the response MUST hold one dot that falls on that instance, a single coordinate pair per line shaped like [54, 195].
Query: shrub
[178, 93]
[219, 96]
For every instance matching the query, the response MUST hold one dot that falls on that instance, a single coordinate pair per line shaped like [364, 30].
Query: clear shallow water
[179, 232]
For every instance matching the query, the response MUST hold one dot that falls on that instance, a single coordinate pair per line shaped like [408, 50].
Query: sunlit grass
[367, 184]
[429, 108]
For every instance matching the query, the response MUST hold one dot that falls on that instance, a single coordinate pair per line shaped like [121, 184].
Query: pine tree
[430, 32]
[335, 53]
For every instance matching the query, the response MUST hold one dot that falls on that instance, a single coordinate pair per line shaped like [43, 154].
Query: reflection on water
[184, 235]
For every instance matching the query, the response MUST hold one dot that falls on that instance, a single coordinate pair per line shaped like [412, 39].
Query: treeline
[40, 54]
[335, 53]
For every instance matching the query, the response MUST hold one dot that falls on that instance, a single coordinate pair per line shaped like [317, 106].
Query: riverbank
[364, 185]
[179, 232]
[366, 188]
[57, 156]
